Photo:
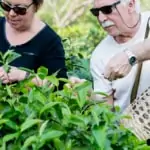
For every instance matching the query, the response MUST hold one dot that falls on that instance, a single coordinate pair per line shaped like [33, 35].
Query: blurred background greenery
[79, 30]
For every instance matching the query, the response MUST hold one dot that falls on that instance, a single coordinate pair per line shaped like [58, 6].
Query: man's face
[112, 22]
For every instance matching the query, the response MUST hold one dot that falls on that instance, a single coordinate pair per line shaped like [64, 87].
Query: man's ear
[131, 6]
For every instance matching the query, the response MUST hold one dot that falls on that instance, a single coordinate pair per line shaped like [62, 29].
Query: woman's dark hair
[38, 3]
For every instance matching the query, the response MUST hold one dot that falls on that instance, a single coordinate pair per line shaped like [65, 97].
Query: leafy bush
[79, 41]
[40, 118]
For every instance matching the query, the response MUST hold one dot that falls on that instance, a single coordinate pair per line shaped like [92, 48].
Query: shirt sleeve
[100, 84]
[53, 58]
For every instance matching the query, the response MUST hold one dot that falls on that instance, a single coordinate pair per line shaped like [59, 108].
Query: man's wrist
[131, 57]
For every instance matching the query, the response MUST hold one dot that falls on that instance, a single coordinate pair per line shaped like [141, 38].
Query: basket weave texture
[139, 110]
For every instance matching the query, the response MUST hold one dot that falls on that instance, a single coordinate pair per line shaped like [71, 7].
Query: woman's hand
[16, 74]
[13, 75]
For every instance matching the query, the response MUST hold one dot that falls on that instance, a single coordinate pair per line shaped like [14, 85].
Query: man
[125, 26]
[119, 65]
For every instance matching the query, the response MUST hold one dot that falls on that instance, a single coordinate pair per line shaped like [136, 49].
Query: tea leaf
[42, 128]
[10, 56]
[52, 79]
[59, 144]
[12, 125]
[29, 123]
[77, 120]
[51, 134]
[42, 72]
[29, 141]
[100, 136]
[52, 104]
[9, 137]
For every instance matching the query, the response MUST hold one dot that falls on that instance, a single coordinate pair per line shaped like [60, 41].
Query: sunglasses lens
[16, 9]
[106, 10]
[95, 12]
[19, 10]
[4, 6]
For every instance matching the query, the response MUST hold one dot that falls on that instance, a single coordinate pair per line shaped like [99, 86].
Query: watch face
[132, 60]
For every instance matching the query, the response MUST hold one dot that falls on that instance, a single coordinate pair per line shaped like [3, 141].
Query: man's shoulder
[145, 14]
[102, 47]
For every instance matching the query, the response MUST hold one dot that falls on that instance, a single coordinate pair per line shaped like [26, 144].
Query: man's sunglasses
[105, 9]
[20, 10]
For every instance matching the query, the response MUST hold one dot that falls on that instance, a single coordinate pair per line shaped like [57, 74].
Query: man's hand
[117, 67]
[74, 80]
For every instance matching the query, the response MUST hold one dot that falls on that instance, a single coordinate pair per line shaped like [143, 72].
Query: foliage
[38, 118]
[0, 12]
[79, 41]
[79, 38]
[64, 12]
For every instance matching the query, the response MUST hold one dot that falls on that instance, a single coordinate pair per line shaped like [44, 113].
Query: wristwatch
[131, 57]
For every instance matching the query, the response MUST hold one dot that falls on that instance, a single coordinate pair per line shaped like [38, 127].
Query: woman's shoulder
[50, 33]
[2, 19]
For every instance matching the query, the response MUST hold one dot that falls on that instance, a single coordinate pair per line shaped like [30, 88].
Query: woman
[37, 43]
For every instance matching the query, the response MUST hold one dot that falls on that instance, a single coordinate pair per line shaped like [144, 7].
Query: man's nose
[12, 13]
[102, 17]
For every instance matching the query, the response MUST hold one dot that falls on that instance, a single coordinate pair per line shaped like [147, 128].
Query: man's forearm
[142, 50]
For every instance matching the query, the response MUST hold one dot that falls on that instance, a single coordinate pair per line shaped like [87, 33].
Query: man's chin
[112, 31]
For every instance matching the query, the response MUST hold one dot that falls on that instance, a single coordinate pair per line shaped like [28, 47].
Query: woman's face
[21, 15]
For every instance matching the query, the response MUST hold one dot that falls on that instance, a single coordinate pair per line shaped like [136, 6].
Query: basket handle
[138, 74]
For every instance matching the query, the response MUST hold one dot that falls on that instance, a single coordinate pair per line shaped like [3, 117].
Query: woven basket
[139, 110]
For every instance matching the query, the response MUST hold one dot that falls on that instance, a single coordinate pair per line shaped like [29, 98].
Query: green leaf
[12, 125]
[76, 120]
[42, 72]
[27, 70]
[51, 134]
[29, 123]
[8, 88]
[3, 121]
[100, 136]
[6, 68]
[29, 141]
[52, 104]
[42, 128]
[82, 85]
[53, 80]
[59, 144]
[37, 95]
[9, 123]
[23, 99]
[101, 93]
[10, 56]
[64, 80]
[82, 90]
[68, 145]
[95, 117]
[9, 137]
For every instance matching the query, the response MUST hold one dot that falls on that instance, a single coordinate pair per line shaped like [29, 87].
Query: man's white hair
[137, 4]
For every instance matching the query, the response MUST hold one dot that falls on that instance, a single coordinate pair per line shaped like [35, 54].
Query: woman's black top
[44, 49]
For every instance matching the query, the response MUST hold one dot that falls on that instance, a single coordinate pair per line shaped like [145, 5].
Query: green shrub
[79, 41]
[40, 118]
